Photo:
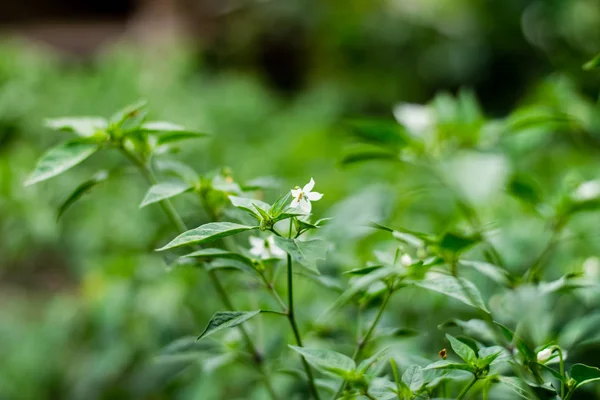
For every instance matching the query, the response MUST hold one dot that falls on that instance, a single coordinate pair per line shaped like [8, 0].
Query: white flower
[405, 260]
[303, 197]
[591, 268]
[265, 248]
[587, 191]
[544, 355]
[416, 118]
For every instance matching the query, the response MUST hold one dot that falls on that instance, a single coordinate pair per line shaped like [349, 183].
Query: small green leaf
[380, 132]
[213, 253]
[61, 158]
[523, 348]
[164, 190]
[207, 233]
[488, 355]
[449, 365]
[357, 156]
[363, 270]
[261, 183]
[554, 373]
[369, 362]
[226, 319]
[82, 126]
[127, 113]
[476, 328]
[80, 190]
[459, 288]
[306, 253]
[592, 64]
[414, 378]
[584, 374]
[168, 132]
[249, 205]
[327, 361]
[462, 350]
[179, 169]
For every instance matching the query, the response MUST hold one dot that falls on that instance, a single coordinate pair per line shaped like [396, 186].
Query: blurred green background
[88, 311]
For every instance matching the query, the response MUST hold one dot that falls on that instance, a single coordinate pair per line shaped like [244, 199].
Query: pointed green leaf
[456, 243]
[306, 253]
[212, 253]
[82, 126]
[226, 319]
[250, 205]
[164, 190]
[369, 362]
[489, 355]
[168, 132]
[130, 112]
[492, 271]
[357, 156]
[518, 387]
[584, 374]
[592, 64]
[459, 288]
[446, 364]
[80, 190]
[61, 158]
[414, 377]
[327, 361]
[475, 328]
[523, 347]
[207, 233]
[462, 350]
[261, 183]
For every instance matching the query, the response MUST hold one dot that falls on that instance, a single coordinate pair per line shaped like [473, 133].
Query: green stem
[292, 318]
[534, 272]
[365, 339]
[178, 223]
[467, 388]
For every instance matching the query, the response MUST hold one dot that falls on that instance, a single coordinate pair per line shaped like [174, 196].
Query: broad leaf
[456, 243]
[379, 131]
[369, 362]
[80, 190]
[476, 328]
[306, 253]
[462, 350]
[168, 132]
[226, 319]
[492, 271]
[523, 347]
[207, 233]
[414, 378]
[164, 190]
[459, 288]
[212, 253]
[327, 360]
[82, 126]
[584, 374]
[518, 387]
[61, 158]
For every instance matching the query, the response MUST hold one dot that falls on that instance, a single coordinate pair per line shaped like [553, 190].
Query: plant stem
[467, 388]
[292, 318]
[178, 223]
[363, 341]
[534, 272]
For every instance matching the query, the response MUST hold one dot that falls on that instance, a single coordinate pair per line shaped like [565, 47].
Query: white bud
[405, 260]
[544, 355]
[591, 268]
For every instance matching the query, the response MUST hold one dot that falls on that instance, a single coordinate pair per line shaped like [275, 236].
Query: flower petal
[309, 186]
[296, 192]
[305, 205]
[294, 203]
[314, 196]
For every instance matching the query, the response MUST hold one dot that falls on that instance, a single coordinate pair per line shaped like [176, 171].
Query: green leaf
[362, 270]
[518, 387]
[164, 190]
[213, 253]
[449, 365]
[554, 373]
[592, 64]
[369, 362]
[261, 183]
[306, 253]
[494, 272]
[414, 378]
[61, 158]
[130, 112]
[523, 348]
[462, 350]
[207, 233]
[327, 361]
[250, 205]
[456, 243]
[169, 132]
[226, 319]
[488, 355]
[80, 190]
[459, 288]
[475, 328]
[357, 156]
[179, 169]
[82, 126]
[380, 132]
[584, 374]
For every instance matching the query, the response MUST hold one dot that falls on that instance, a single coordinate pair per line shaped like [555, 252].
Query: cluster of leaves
[491, 356]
